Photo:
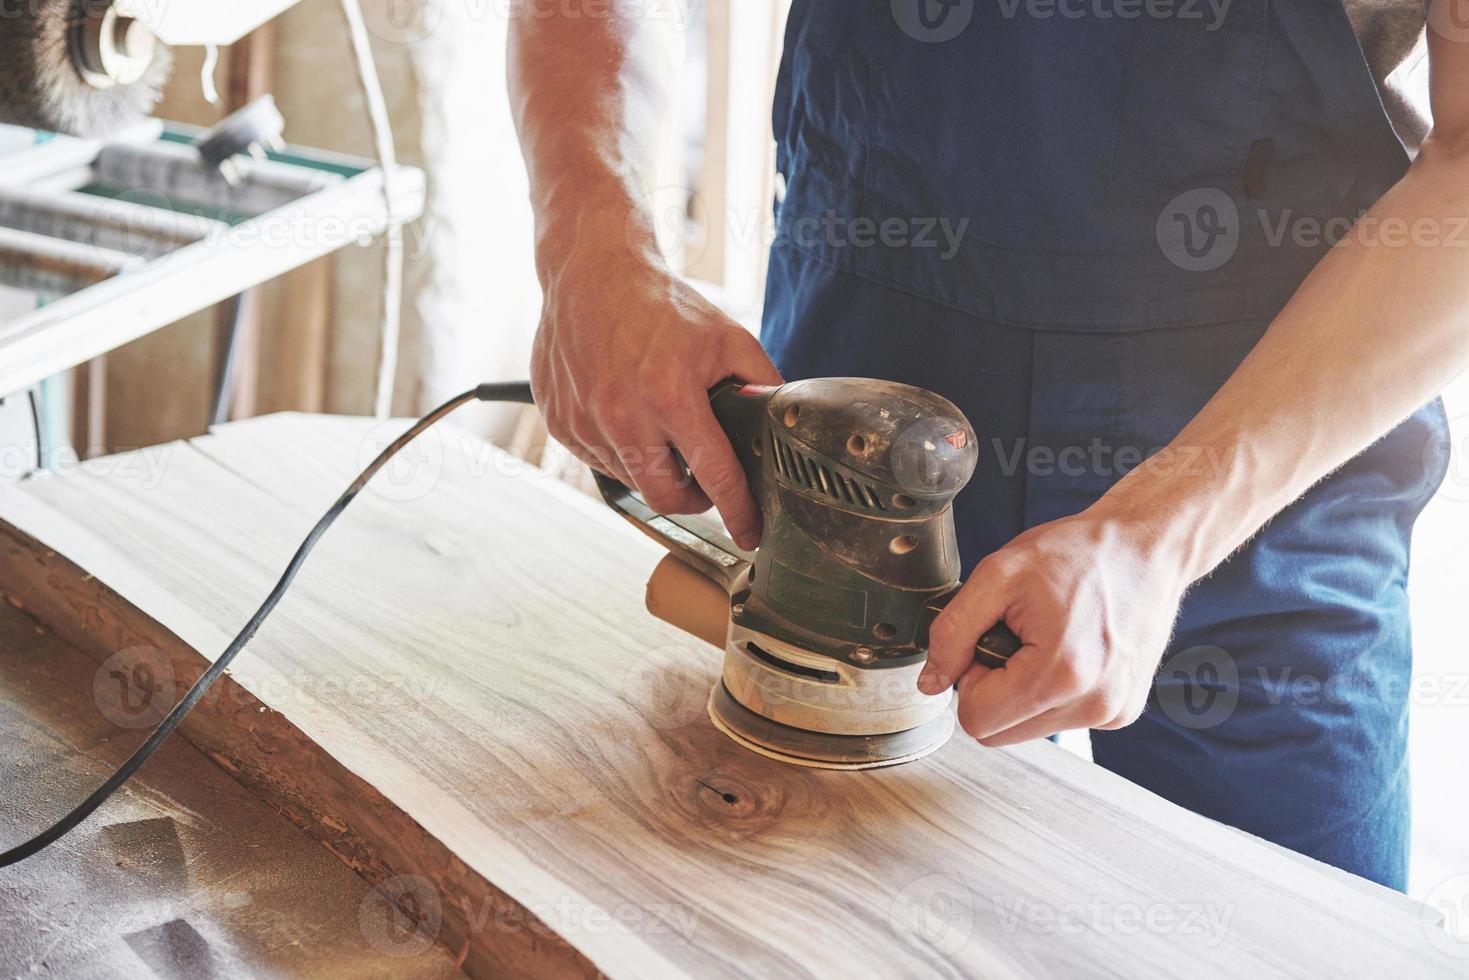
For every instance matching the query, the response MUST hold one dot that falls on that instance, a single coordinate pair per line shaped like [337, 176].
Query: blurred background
[471, 299]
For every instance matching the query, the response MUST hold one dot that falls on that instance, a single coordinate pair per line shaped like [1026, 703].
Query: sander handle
[692, 540]
[994, 649]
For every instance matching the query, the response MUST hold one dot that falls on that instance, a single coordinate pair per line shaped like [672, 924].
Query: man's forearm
[591, 83]
[1377, 330]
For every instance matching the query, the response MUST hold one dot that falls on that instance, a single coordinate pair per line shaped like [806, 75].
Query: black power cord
[512, 391]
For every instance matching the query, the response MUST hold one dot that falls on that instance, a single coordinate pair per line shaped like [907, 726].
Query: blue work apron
[1075, 226]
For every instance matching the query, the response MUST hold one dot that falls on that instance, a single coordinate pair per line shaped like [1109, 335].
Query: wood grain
[185, 873]
[463, 685]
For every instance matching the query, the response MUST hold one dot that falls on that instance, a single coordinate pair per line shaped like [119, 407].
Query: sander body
[828, 620]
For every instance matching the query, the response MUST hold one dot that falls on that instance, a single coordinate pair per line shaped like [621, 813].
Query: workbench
[464, 701]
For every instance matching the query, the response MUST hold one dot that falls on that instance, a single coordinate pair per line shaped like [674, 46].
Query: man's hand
[1094, 611]
[626, 352]
[623, 363]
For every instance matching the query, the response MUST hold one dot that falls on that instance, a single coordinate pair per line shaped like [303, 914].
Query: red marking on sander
[958, 440]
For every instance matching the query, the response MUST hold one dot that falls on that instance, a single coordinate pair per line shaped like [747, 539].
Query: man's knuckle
[997, 566]
[667, 398]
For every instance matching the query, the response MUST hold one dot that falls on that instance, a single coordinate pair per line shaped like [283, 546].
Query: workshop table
[463, 698]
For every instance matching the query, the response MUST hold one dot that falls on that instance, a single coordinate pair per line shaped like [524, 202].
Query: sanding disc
[819, 750]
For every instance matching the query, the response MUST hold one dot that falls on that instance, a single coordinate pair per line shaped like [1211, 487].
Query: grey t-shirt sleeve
[1392, 35]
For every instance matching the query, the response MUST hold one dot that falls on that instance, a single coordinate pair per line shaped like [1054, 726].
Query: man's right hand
[626, 352]
[624, 359]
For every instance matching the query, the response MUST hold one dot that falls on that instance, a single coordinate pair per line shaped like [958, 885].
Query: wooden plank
[186, 873]
[463, 686]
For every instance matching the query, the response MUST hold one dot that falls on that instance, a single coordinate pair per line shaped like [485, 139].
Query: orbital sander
[828, 620]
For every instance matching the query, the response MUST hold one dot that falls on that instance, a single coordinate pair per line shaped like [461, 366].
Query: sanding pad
[819, 750]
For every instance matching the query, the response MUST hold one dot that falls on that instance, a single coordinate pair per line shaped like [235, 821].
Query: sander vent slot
[829, 676]
[805, 472]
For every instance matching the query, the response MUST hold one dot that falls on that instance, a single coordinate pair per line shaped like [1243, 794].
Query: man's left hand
[1094, 611]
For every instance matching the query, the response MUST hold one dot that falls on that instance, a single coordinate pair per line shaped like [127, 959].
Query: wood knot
[734, 804]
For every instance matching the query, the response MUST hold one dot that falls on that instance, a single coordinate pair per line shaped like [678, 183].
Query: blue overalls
[1074, 223]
